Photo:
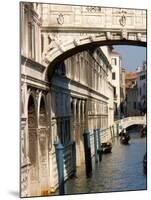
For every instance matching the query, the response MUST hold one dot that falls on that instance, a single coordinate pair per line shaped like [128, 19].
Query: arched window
[32, 123]
[31, 113]
[42, 113]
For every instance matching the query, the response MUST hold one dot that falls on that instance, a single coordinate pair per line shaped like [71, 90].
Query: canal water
[121, 170]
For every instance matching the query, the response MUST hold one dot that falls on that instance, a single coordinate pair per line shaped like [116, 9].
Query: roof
[131, 75]
[115, 52]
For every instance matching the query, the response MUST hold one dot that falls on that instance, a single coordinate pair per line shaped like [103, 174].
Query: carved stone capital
[108, 35]
[139, 36]
[124, 34]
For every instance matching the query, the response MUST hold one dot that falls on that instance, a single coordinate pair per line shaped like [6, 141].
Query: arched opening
[42, 113]
[33, 146]
[43, 147]
[56, 56]
[77, 111]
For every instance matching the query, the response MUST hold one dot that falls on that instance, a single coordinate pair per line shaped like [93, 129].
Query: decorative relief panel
[92, 9]
[33, 154]
[42, 120]
[138, 20]
[60, 19]
[43, 151]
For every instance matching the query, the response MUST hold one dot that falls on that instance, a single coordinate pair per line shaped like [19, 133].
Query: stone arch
[32, 119]
[68, 48]
[133, 123]
[129, 121]
[31, 93]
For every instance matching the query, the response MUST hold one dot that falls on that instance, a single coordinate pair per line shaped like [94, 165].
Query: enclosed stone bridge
[129, 121]
[68, 29]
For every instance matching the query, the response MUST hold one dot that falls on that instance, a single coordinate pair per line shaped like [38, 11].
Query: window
[134, 105]
[113, 76]
[114, 90]
[114, 61]
[61, 69]
[140, 91]
[142, 77]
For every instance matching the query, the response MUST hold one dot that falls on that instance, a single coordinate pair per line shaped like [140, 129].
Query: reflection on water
[119, 171]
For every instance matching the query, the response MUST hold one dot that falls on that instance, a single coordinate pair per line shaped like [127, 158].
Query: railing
[106, 134]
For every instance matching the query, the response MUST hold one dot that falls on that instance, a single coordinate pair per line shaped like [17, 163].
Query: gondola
[124, 137]
[145, 162]
[143, 131]
[106, 147]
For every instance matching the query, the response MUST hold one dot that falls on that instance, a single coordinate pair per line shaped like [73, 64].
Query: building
[78, 95]
[122, 92]
[131, 94]
[142, 88]
[116, 71]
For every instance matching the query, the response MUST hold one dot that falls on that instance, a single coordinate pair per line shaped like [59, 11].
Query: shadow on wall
[61, 117]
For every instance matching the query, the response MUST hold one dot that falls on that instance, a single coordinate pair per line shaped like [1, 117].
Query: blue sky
[132, 56]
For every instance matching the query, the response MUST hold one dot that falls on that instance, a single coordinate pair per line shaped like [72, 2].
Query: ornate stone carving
[31, 122]
[122, 20]
[42, 120]
[93, 9]
[108, 35]
[124, 34]
[60, 19]
[139, 35]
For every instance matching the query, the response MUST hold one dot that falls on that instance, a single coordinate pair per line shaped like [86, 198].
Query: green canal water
[121, 170]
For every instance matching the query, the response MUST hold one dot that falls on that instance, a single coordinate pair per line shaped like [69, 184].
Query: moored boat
[145, 162]
[124, 137]
[106, 147]
[143, 131]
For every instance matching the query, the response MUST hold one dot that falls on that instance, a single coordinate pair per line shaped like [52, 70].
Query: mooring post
[87, 150]
[117, 126]
[120, 128]
[60, 165]
[111, 132]
[95, 145]
[99, 143]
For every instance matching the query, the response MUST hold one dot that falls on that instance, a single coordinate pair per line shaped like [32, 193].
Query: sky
[132, 56]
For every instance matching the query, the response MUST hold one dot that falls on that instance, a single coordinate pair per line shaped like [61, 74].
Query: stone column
[49, 105]
[83, 107]
[76, 131]
[79, 111]
[45, 43]
[74, 109]
[22, 28]
[38, 153]
[24, 150]
[81, 128]
[33, 55]
[24, 119]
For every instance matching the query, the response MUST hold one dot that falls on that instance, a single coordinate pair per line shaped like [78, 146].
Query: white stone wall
[141, 86]
[83, 78]
[116, 68]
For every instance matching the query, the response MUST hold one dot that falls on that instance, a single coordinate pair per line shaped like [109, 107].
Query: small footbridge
[129, 121]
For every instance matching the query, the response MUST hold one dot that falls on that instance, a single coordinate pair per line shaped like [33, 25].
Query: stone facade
[142, 88]
[131, 94]
[123, 92]
[66, 84]
[116, 72]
